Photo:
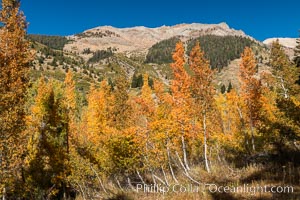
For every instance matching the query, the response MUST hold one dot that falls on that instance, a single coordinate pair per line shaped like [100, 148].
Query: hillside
[286, 42]
[109, 111]
[140, 39]
[104, 52]
[126, 100]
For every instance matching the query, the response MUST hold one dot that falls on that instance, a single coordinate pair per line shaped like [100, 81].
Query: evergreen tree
[229, 87]
[47, 157]
[297, 57]
[284, 72]
[282, 123]
[223, 89]
[297, 53]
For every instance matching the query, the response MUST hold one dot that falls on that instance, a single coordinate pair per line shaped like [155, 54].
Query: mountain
[286, 42]
[289, 44]
[140, 38]
[104, 52]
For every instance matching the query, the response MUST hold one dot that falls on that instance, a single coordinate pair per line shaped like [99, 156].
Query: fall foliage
[15, 58]
[57, 142]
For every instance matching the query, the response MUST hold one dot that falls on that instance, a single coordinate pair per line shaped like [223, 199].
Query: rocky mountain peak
[141, 38]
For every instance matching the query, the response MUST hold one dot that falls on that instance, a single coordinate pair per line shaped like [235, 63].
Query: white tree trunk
[184, 153]
[4, 194]
[170, 166]
[252, 133]
[205, 143]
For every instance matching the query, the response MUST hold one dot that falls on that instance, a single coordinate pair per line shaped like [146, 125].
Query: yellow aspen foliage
[164, 138]
[280, 100]
[48, 145]
[284, 72]
[70, 93]
[121, 115]
[69, 107]
[230, 107]
[98, 117]
[15, 58]
[146, 102]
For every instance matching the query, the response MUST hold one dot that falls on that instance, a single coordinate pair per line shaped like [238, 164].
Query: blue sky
[260, 19]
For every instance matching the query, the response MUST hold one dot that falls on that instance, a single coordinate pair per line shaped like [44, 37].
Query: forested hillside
[116, 137]
[220, 50]
[54, 42]
[161, 52]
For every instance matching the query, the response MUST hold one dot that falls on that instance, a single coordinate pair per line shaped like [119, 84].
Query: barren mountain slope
[286, 42]
[139, 39]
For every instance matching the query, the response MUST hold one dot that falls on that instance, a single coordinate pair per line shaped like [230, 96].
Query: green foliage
[138, 82]
[54, 42]
[98, 34]
[229, 87]
[54, 62]
[221, 49]
[297, 57]
[297, 53]
[47, 167]
[218, 49]
[124, 154]
[162, 51]
[86, 51]
[86, 143]
[223, 89]
[100, 55]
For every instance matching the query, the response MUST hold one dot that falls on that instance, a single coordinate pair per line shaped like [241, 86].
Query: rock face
[286, 42]
[140, 38]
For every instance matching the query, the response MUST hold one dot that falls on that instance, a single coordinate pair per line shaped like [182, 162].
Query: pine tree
[297, 53]
[229, 87]
[15, 58]
[223, 89]
[69, 117]
[284, 72]
[297, 58]
[281, 102]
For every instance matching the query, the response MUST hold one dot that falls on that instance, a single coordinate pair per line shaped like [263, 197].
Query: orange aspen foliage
[180, 87]
[15, 58]
[146, 99]
[202, 93]
[180, 82]
[202, 88]
[250, 90]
